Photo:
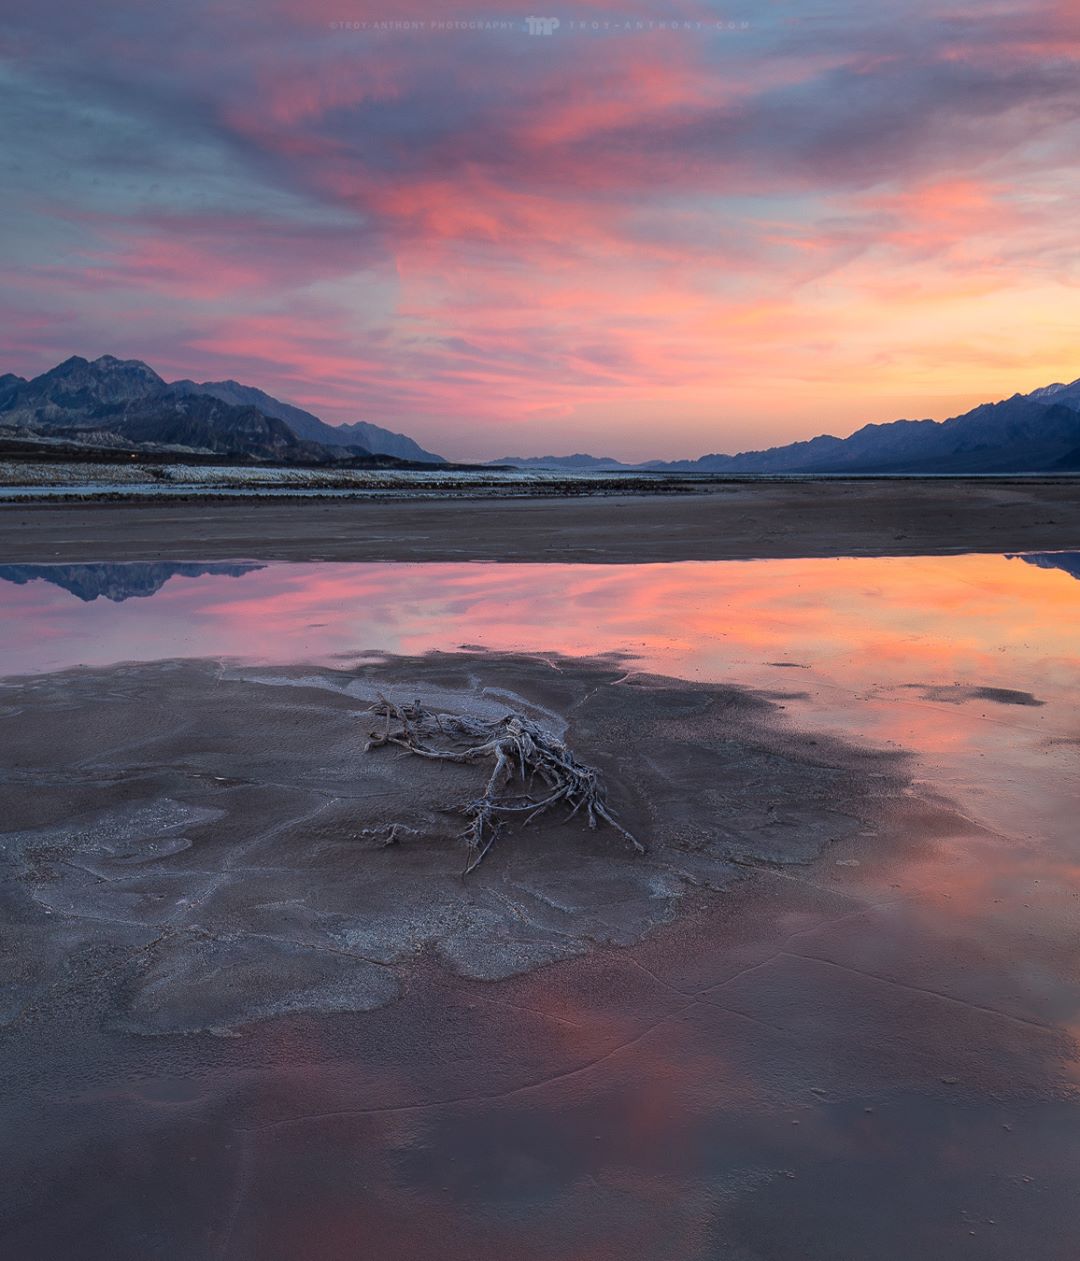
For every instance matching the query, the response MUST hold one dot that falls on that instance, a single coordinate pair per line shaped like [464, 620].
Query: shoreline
[729, 520]
[303, 484]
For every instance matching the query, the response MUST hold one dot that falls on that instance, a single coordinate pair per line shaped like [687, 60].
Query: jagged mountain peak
[110, 400]
[102, 380]
[102, 365]
[76, 389]
[124, 397]
[1067, 393]
[118, 582]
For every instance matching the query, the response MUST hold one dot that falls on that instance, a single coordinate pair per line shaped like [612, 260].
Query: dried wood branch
[521, 752]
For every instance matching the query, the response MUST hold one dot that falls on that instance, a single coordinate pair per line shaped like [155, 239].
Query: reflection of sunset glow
[863, 638]
[826, 1017]
[869, 623]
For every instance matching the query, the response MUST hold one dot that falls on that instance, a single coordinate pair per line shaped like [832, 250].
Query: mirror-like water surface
[962, 613]
[943, 655]
[873, 1055]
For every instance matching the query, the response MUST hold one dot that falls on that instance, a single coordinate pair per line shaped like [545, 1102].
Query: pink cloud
[485, 239]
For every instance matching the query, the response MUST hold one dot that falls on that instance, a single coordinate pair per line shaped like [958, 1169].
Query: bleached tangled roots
[523, 753]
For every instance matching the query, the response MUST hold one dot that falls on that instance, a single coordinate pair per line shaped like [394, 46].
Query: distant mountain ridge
[1067, 562]
[105, 407]
[384, 441]
[1057, 393]
[598, 462]
[307, 426]
[1028, 433]
[110, 402]
[117, 582]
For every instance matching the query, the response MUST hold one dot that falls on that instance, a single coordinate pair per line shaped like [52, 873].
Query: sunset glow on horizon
[772, 221]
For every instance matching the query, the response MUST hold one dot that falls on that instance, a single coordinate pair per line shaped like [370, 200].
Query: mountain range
[117, 582]
[123, 405]
[1067, 562]
[592, 463]
[309, 427]
[1028, 433]
[111, 407]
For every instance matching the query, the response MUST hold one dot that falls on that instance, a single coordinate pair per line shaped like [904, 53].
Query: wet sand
[218, 1043]
[729, 521]
[832, 1014]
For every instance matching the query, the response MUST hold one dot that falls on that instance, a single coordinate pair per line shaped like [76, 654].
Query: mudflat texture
[827, 1016]
[729, 521]
[217, 835]
[833, 1013]
[235, 1027]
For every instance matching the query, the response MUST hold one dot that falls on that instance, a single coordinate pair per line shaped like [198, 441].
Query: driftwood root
[544, 771]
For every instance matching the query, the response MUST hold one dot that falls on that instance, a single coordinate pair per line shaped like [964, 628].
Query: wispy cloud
[497, 240]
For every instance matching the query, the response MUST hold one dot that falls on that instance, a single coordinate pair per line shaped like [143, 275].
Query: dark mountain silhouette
[360, 434]
[383, 441]
[9, 387]
[1067, 562]
[1017, 435]
[76, 390]
[207, 424]
[1028, 433]
[116, 582]
[1058, 393]
[598, 462]
[118, 403]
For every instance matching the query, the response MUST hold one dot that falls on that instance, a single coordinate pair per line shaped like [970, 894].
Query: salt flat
[722, 519]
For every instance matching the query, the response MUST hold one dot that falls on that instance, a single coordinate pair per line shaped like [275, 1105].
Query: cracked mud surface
[203, 838]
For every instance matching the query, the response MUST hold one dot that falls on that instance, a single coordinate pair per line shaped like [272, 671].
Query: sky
[657, 231]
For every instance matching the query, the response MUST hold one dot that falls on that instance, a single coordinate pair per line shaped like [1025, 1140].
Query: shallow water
[872, 1056]
[952, 657]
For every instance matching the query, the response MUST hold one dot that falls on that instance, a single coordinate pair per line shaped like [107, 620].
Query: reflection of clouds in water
[665, 1119]
[875, 1028]
[881, 620]
[980, 627]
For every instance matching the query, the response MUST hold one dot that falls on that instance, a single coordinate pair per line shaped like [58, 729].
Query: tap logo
[542, 26]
